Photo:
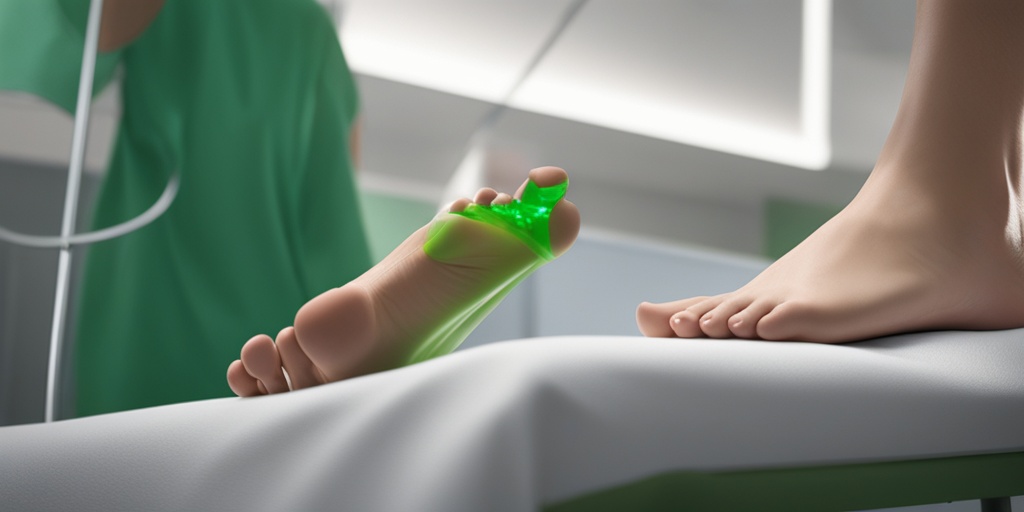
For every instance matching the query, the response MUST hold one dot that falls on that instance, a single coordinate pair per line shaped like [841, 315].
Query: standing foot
[889, 263]
[935, 239]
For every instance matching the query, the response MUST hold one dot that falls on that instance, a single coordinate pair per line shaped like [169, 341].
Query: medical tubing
[152, 213]
[482, 132]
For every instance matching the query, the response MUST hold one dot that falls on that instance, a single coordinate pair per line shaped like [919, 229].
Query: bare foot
[421, 300]
[890, 262]
[934, 240]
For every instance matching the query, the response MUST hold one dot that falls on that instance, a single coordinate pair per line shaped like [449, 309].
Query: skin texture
[125, 20]
[934, 238]
[379, 320]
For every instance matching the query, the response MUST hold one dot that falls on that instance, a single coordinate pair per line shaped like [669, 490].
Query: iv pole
[85, 82]
[67, 236]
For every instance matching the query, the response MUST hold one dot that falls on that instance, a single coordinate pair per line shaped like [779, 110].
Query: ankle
[949, 188]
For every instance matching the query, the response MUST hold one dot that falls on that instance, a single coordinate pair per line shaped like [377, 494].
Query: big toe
[795, 321]
[652, 321]
[548, 176]
[563, 227]
[564, 222]
[543, 177]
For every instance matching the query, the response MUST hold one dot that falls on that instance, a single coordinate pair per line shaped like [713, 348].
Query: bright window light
[459, 66]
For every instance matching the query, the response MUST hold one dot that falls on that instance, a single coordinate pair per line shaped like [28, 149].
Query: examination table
[566, 424]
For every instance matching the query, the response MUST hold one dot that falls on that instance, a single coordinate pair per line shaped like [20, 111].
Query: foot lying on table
[424, 298]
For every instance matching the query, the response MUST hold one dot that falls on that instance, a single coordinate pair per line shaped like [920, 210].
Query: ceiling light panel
[739, 76]
[466, 47]
[732, 59]
[730, 75]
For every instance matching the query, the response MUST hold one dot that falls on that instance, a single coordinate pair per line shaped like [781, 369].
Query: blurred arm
[125, 20]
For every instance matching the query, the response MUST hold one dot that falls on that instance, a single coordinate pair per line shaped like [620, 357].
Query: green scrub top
[253, 103]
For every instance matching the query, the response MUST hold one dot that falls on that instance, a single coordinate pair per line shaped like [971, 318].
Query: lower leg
[934, 238]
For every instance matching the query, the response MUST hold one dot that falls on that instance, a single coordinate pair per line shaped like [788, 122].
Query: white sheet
[513, 425]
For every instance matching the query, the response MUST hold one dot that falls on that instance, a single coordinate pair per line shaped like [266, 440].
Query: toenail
[677, 320]
[706, 320]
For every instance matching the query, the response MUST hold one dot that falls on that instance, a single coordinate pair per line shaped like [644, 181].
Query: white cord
[156, 210]
[467, 179]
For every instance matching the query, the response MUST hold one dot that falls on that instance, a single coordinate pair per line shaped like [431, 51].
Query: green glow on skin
[526, 218]
[497, 236]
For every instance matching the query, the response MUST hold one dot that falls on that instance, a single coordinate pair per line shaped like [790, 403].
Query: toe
[544, 177]
[653, 318]
[262, 361]
[240, 382]
[563, 227]
[459, 204]
[548, 176]
[784, 322]
[813, 322]
[743, 324]
[715, 323]
[652, 321]
[300, 369]
[686, 323]
[502, 198]
[485, 196]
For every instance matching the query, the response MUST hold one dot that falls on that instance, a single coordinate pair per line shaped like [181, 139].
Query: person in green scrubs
[252, 102]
